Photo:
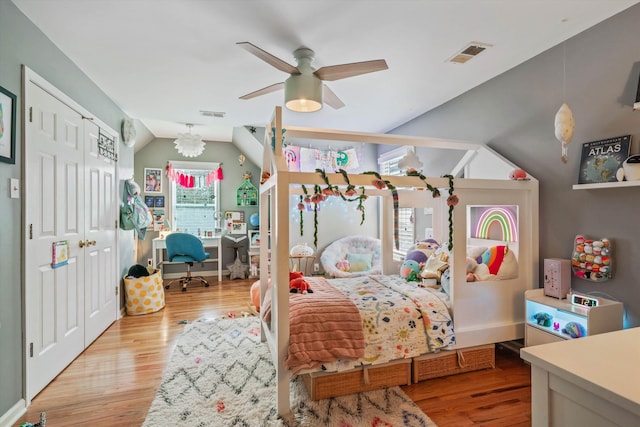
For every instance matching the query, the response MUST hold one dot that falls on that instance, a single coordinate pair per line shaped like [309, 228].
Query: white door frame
[29, 75]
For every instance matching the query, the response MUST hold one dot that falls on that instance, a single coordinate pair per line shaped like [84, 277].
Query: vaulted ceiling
[165, 61]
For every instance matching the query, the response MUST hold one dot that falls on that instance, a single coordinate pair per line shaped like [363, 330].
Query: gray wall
[22, 43]
[514, 114]
[157, 152]
[155, 155]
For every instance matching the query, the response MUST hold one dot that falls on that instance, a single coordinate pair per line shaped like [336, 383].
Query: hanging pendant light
[564, 122]
[188, 144]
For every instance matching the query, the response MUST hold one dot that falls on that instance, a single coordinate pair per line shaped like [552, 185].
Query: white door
[55, 211]
[69, 195]
[100, 212]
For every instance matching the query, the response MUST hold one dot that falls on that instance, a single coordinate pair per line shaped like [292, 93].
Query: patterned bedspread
[400, 319]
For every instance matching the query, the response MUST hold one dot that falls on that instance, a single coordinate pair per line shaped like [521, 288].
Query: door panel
[54, 319]
[100, 231]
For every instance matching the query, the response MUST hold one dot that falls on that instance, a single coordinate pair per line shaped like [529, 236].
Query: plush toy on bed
[422, 250]
[437, 263]
[495, 263]
[298, 284]
[409, 270]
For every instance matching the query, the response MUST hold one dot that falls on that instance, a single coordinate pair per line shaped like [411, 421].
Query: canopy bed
[478, 200]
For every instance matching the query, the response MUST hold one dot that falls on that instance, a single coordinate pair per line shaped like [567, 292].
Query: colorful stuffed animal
[426, 247]
[409, 270]
[543, 319]
[343, 265]
[298, 284]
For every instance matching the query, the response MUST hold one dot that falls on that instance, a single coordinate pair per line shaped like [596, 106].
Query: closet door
[100, 210]
[54, 183]
[70, 194]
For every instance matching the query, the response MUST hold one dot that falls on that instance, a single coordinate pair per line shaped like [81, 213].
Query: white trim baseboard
[10, 417]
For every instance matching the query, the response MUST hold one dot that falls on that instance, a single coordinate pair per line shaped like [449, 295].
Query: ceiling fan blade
[268, 58]
[330, 98]
[337, 72]
[264, 90]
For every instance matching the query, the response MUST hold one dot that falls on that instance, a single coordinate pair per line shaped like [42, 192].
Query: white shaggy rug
[220, 374]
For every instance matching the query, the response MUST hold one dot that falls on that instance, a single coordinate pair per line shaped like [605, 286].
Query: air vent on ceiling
[217, 114]
[468, 52]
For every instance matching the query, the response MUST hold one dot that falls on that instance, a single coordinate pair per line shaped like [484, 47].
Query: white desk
[159, 244]
[586, 382]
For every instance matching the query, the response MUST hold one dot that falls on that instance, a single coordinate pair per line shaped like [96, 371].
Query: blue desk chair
[187, 248]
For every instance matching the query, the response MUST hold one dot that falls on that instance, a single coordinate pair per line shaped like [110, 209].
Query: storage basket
[323, 385]
[451, 362]
[145, 294]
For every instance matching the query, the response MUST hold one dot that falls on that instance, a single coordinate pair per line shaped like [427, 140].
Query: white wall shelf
[615, 184]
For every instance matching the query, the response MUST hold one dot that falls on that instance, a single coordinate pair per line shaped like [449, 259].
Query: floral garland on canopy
[350, 194]
[188, 181]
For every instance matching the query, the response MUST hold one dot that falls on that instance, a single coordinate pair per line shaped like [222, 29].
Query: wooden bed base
[324, 385]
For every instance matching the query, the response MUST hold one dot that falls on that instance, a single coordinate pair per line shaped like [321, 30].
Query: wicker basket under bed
[451, 362]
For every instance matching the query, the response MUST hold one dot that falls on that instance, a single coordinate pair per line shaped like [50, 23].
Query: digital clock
[583, 300]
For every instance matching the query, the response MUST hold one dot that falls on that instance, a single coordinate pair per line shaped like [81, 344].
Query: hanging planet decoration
[254, 220]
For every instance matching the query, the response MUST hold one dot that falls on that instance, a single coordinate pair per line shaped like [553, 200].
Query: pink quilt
[325, 326]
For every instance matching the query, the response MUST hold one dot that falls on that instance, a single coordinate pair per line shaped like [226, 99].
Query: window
[196, 210]
[407, 235]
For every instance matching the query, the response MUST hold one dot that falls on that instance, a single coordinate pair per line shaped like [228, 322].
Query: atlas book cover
[601, 159]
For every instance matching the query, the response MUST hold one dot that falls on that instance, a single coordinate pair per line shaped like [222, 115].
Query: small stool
[144, 294]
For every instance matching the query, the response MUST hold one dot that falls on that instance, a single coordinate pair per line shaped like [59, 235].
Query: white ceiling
[162, 61]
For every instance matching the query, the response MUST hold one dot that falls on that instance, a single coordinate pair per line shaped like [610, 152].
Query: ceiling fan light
[303, 93]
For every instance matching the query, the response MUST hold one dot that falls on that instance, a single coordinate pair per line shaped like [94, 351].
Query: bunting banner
[189, 181]
[301, 159]
[292, 156]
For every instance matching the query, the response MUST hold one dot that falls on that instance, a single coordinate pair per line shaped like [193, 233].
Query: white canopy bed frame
[483, 312]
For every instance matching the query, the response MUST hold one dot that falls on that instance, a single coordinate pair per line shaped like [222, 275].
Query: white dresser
[588, 382]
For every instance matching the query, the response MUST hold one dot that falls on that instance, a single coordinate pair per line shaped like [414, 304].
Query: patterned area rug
[220, 374]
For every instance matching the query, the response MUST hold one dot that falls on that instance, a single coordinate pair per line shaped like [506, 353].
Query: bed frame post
[280, 268]
[386, 235]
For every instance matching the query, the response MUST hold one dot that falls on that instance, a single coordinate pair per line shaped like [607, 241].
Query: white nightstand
[553, 316]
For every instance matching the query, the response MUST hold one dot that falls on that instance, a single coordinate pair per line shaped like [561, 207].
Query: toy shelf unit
[549, 319]
[247, 194]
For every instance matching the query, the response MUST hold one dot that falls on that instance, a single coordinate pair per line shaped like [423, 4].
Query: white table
[586, 382]
[159, 244]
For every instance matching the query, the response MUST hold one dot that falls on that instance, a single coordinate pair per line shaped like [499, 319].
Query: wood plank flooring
[113, 382]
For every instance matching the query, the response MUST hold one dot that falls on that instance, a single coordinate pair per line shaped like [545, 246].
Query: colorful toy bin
[144, 294]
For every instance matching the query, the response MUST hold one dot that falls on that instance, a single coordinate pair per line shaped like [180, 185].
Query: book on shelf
[601, 159]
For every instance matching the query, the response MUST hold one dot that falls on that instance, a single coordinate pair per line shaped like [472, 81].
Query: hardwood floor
[113, 382]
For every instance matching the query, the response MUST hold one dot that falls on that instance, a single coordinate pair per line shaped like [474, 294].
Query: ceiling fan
[304, 90]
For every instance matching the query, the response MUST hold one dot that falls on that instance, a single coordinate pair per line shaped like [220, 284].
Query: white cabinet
[550, 319]
[590, 382]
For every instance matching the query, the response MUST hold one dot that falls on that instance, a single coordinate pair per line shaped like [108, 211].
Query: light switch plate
[14, 186]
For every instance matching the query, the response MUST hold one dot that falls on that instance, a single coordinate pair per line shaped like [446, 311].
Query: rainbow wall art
[499, 217]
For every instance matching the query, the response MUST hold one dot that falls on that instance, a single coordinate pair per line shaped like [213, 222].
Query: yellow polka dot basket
[145, 294]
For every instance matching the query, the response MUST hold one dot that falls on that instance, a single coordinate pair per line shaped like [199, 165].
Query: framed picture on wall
[158, 202]
[7, 126]
[148, 200]
[152, 180]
